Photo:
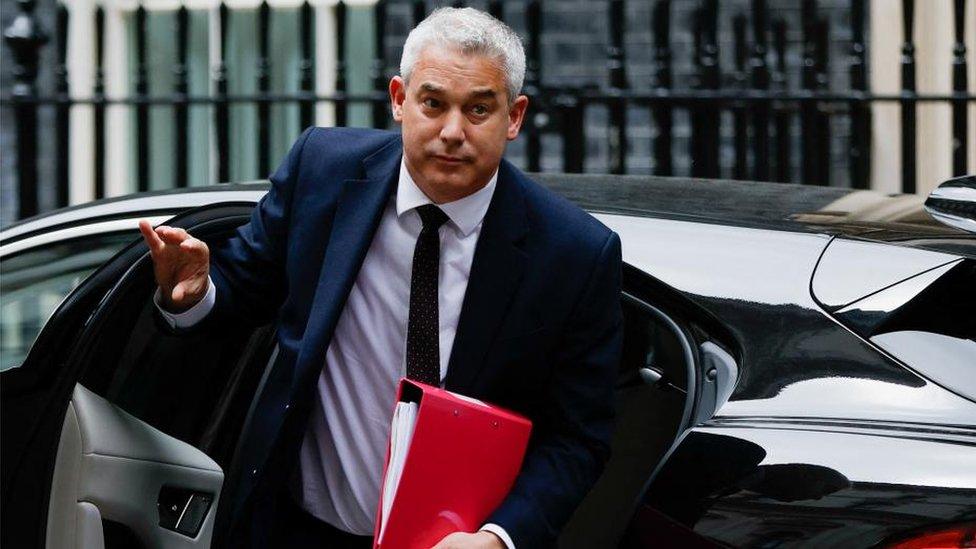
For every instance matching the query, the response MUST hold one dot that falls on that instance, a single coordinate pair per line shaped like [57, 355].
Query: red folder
[462, 460]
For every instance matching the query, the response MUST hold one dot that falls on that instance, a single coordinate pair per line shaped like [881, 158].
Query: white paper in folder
[404, 421]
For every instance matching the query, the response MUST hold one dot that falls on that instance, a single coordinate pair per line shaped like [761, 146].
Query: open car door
[116, 432]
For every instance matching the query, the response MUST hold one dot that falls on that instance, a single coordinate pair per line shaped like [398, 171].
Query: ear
[398, 93]
[516, 115]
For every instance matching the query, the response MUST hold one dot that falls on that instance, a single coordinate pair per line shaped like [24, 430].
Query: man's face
[455, 119]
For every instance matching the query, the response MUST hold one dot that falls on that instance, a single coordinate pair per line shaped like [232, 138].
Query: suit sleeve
[571, 442]
[248, 269]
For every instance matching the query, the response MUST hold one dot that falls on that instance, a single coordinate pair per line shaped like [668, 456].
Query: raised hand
[181, 264]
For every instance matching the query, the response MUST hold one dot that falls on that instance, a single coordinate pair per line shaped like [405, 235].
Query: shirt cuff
[500, 532]
[194, 314]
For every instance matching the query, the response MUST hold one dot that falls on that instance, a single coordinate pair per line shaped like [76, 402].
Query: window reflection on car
[34, 282]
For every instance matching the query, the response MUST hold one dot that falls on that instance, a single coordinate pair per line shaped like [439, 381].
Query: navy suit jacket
[540, 328]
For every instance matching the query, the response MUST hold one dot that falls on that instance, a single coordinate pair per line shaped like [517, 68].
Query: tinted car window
[34, 282]
[928, 322]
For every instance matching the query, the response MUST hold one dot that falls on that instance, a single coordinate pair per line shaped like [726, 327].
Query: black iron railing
[755, 91]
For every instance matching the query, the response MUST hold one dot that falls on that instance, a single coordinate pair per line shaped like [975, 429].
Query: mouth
[446, 159]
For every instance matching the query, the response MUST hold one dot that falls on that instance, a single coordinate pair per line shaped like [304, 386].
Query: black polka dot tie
[423, 341]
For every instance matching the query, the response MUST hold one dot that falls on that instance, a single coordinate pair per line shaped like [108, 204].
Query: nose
[452, 132]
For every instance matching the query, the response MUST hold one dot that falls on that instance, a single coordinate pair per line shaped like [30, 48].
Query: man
[422, 254]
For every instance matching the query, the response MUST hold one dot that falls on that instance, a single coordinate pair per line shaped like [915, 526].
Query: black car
[799, 370]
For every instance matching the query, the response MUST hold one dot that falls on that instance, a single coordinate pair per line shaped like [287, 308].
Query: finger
[196, 250]
[193, 245]
[171, 235]
[150, 236]
[163, 233]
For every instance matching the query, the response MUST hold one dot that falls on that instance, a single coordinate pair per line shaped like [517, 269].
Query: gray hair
[471, 32]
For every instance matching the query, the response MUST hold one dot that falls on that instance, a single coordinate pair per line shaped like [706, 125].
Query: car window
[34, 282]
[927, 322]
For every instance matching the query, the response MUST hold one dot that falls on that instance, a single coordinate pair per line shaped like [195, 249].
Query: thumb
[178, 292]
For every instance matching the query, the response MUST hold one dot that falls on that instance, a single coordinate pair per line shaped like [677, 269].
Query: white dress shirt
[343, 453]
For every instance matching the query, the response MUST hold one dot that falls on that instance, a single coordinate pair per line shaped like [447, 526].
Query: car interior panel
[111, 466]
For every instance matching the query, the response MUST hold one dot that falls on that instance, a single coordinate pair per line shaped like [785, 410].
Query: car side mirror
[954, 203]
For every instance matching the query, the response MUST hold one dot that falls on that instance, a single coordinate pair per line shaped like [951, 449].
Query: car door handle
[652, 376]
[649, 375]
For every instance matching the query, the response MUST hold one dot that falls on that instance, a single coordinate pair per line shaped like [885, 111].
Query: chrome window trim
[172, 202]
[78, 231]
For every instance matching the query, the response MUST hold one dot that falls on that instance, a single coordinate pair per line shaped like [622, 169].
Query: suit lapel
[358, 211]
[495, 273]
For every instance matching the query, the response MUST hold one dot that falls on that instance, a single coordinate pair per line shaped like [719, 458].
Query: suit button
[254, 472]
[287, 406]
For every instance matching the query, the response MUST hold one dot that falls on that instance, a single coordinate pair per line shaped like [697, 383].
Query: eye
[480, 110]
[431, 103]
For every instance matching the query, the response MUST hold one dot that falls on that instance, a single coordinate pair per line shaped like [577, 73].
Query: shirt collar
[465, 213]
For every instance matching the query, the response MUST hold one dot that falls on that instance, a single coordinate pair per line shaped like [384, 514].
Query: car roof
[799, 208]
[863, 214]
